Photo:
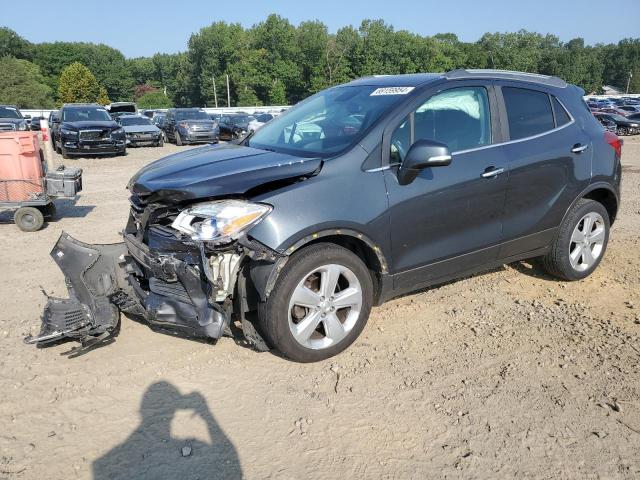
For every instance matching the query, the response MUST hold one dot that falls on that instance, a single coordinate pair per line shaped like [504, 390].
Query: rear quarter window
[528, 112]
[562, 117]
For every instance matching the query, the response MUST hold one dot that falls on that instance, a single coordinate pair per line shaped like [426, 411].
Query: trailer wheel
[29, 219]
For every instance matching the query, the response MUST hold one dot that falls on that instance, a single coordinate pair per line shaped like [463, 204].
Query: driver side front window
[459, 118]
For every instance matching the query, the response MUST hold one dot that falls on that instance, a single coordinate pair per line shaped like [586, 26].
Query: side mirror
[422, 154]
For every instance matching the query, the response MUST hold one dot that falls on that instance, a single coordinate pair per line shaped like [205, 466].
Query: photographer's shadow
[151, 452]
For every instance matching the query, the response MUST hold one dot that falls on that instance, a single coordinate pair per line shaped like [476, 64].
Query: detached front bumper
[104, 280]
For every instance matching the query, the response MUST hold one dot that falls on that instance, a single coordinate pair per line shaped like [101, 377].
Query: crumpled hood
[141, 128]
[217, 170]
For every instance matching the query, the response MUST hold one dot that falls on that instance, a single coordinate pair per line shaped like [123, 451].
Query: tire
[279, 316]
[623, 131]
[28, 219]
[64, 152]
[178, 138]
[160, 142]
[586, 257]
[57, 148]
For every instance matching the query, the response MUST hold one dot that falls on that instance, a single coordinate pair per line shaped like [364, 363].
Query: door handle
[492, 172]
[577, 148]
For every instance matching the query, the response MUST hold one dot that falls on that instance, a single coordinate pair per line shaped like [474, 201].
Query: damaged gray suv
[360, 193]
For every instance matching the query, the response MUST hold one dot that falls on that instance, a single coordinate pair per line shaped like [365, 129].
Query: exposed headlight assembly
[70, 133]
[23, 126]
[220, 221]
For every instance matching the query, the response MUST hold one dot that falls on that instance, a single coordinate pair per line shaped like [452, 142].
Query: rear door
[549, 158]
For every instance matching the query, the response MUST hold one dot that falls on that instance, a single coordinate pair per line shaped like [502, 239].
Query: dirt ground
[509, 374]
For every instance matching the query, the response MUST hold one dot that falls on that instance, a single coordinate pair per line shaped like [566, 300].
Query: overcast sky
[141, 27]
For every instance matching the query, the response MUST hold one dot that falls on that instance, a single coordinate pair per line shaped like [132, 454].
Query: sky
[142, 27]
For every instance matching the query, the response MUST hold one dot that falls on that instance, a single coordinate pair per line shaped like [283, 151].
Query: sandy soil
[502, 375]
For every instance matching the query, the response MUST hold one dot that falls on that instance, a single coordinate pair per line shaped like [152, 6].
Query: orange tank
[21, 170]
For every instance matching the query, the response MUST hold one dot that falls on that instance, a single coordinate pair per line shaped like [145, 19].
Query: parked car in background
[190, 125]
[215, 117]
[609, 125]
[272, 230]
[259, 121]
[625, 126]
[54, 126]
[634, 117]
[35, 123]
[158, 119]
[614, 110]
[234, 126]
[630, 109]
[140, 131]
[11, 119]
[87, 129]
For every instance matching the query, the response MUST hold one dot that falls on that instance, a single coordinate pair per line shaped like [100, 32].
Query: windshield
[9, 112]
[127, 122]
[192, 115]
[85, 114]
[328, 122]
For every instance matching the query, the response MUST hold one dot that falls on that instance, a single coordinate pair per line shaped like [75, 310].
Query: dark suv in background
[11, 119]
[358, 194]
[86, 129]
[189, 125]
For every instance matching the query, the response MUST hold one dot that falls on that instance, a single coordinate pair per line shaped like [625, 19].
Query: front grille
[7, 127]
[95, 134]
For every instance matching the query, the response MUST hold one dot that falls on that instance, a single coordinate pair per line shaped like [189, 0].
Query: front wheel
[581, 242]
[160, 142]
[623, 131]
[178, 138]
[319, 305]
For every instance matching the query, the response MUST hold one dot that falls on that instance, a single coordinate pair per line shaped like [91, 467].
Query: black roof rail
[507, 75]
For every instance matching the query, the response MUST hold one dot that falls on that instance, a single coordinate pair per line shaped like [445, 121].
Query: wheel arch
[264, 277]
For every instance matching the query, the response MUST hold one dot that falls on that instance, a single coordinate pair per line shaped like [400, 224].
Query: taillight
[615, 142]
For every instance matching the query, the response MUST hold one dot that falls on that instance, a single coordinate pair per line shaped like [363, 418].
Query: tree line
[277, 63]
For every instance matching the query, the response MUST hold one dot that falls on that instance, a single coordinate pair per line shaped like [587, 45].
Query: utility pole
[629, 81]
[215, 95]
[228, 93]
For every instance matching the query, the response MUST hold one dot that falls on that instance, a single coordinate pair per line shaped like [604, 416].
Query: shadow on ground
[150, 452]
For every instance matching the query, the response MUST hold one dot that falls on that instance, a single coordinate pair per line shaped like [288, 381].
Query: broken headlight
[220, 221]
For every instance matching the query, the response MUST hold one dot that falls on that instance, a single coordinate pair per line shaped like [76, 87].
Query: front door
[449, 219]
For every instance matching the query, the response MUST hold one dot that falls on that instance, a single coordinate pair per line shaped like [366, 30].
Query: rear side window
[528, 112]
[562, 117]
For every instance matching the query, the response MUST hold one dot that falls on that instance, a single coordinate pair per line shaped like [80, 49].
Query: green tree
[107, 64]
[78, 85]
[103, 96]
[277, 94]
[155, 99]
[13, 44]
[22, 84]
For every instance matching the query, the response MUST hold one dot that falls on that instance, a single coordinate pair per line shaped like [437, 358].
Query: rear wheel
[319, 305]
[581, 242]
[28, 219]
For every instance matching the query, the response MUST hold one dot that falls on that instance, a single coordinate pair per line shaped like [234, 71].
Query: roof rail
[507, 75]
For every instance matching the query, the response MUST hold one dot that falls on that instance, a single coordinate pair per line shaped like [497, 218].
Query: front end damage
[171, 283]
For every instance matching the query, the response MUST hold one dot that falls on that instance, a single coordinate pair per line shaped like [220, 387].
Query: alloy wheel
[325, 306]
[587, 241]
